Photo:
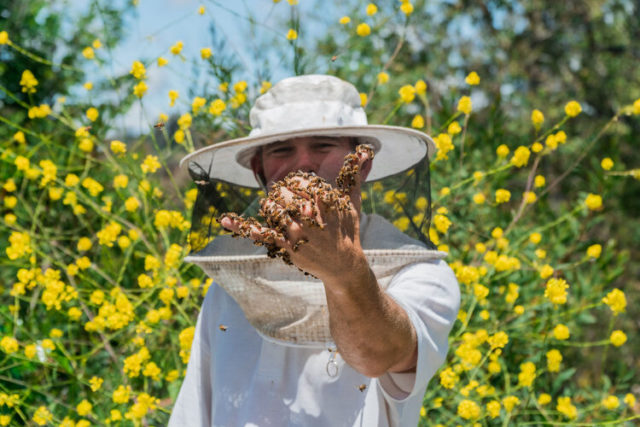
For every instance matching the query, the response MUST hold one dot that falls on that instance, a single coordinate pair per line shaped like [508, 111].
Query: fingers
[349, 179]
[252, 229]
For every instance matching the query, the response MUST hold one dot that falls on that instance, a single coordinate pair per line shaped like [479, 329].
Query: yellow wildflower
[565, 407]
[464, 105]
[593, 202]
[206, 52]
[572, 108]
[292, 34]
[616, 301]
[561, 332]
[472, 79]
[177, 48]
[363, 29]
[618, 338]
[606, 163]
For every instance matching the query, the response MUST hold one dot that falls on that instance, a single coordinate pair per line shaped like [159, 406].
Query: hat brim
[399, 149]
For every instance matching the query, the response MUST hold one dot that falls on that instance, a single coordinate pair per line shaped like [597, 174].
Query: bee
[223, 328]
[159, 125]
[334, 57]
[362, 387]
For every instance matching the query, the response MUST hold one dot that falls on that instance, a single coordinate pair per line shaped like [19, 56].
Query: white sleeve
[193, 405]
[429, 294]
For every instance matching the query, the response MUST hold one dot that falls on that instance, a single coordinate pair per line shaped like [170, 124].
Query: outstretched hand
[310, 223]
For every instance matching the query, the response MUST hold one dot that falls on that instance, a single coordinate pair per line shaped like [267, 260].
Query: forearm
[372, 332]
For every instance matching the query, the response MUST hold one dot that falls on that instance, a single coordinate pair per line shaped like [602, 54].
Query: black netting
[404, 199]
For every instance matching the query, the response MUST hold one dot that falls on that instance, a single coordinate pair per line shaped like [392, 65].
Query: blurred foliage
[98, 310]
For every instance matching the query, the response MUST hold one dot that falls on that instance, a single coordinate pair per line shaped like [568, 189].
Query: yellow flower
[97, 44]
[479, 198]
[201, 10]
[345, 20]
[593, 202]
[28, 82]
[407, 93]
[121, 394]
[162, 61]
[472, 79]
[464, 105]
[118, 147]
[606, 163]
[420, 87]
[363, 30]
[92, 114]
[184, 121]
[372, 9]
[493, 409]
[544, 399]
[502, 195]
[594, 251]
[618, 338]
[561, 332]
[363, 99]
[173, 95]
[510, 402]
[292, 34]
[9, 344]
[502, 151]
[498, 340]
[468, 409]
[120, 181]
[630, 400]
[556, 291]
[88, 53]
[266, 85]
[84, 408]
[4, 37]
[216, 107]
[554, 358]
[561, 137]
[406, 8]
[383, 78]
[530, 197]
[88, 85]
[616, 301]
[454, 128]
[140, 89]
[176, 48]
[417, 122]
[205, 53]
[42, 416]
[546, 270]
[537, 118]
[4, 419]
[539, 181]
[150, 164]
[197, 104]
[611, 402]
[138, 70]
[520, 156]
[572, 108]
[636, 106]
[565, 407]
[537, 147]
[551, 142]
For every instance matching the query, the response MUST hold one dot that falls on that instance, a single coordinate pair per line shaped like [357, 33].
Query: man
[390, 332]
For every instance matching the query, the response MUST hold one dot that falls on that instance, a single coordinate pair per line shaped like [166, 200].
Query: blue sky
[160, 24]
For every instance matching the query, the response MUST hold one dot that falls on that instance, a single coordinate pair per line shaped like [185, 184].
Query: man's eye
[279, 151]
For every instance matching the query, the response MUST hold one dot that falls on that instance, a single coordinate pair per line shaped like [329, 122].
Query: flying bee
[159, 125]
[222, 328]
[334, 57]
[362, 387]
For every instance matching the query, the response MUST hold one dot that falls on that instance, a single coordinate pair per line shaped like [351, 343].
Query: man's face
[322, 155]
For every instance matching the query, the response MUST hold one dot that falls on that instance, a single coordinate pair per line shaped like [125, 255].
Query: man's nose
[305, 161]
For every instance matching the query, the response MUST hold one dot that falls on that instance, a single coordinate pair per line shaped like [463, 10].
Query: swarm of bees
[306, 188]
